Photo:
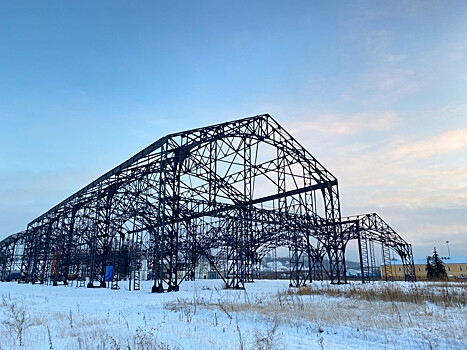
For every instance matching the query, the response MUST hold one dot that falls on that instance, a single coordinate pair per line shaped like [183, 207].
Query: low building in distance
[456, 267]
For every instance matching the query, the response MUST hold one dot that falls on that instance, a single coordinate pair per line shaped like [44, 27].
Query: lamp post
[449, 253]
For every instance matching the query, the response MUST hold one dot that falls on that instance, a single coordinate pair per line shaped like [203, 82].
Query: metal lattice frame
[370, 228]
[11, 252]
[228, 193]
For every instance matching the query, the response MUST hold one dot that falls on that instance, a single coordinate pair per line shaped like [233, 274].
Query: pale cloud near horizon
[426, 233]
[417, 199]
[342, 125]
[395, 170]
[446, 142]
[387, 170]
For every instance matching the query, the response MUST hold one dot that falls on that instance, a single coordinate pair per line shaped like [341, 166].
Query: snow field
[203, 315]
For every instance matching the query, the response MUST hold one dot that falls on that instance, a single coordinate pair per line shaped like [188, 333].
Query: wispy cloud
[342, 125]
[447, 142]
[428, 235]
[417, 198]
[396, 81]
[456, 52]
[402, 172]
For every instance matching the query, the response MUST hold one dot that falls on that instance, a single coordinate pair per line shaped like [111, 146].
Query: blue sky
[376, 90]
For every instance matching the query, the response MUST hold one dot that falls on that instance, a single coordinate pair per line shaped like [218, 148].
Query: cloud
[384, 84]
[418, 198]
[428, 235]
[456, 52]
[384, 172]
[371, 11]
[447, 142]
[340, 125]
[394, 80]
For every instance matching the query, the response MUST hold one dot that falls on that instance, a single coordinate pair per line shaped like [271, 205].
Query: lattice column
[363, 254]
[247, 224]
[236, 274]
[93, 241]
[69, 244]
[408, 263]
[372, 257]
[160, 232]
[136, 257]
[28, 252]
[335, 238]
[296, 264]
[365, 261]
[387, 263]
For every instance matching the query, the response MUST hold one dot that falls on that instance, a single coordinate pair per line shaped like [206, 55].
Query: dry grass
[269, 339]
[17, 319]
[424, 310]
[442, 294]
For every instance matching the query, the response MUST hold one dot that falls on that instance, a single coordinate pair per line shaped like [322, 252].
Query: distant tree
[439, 271]
[429, 268]
[435, 267]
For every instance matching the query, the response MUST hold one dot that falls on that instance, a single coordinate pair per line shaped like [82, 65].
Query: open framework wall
[227, 193]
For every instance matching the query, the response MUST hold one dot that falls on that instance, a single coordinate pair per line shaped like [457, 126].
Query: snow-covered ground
[202, 315]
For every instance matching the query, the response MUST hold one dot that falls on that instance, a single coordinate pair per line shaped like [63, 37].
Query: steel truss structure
[370, 228]
[228, 193]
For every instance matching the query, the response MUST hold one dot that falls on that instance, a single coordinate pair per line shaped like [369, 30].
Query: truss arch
[228, 191]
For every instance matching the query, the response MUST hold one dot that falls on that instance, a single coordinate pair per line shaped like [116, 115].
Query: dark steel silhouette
[226, 193]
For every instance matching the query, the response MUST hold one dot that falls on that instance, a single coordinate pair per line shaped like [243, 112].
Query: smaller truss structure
[369, 229]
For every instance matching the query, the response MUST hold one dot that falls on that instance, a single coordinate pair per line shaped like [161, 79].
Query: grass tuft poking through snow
[17, 318]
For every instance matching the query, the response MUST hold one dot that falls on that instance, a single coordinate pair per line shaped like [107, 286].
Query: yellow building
[456, 267]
